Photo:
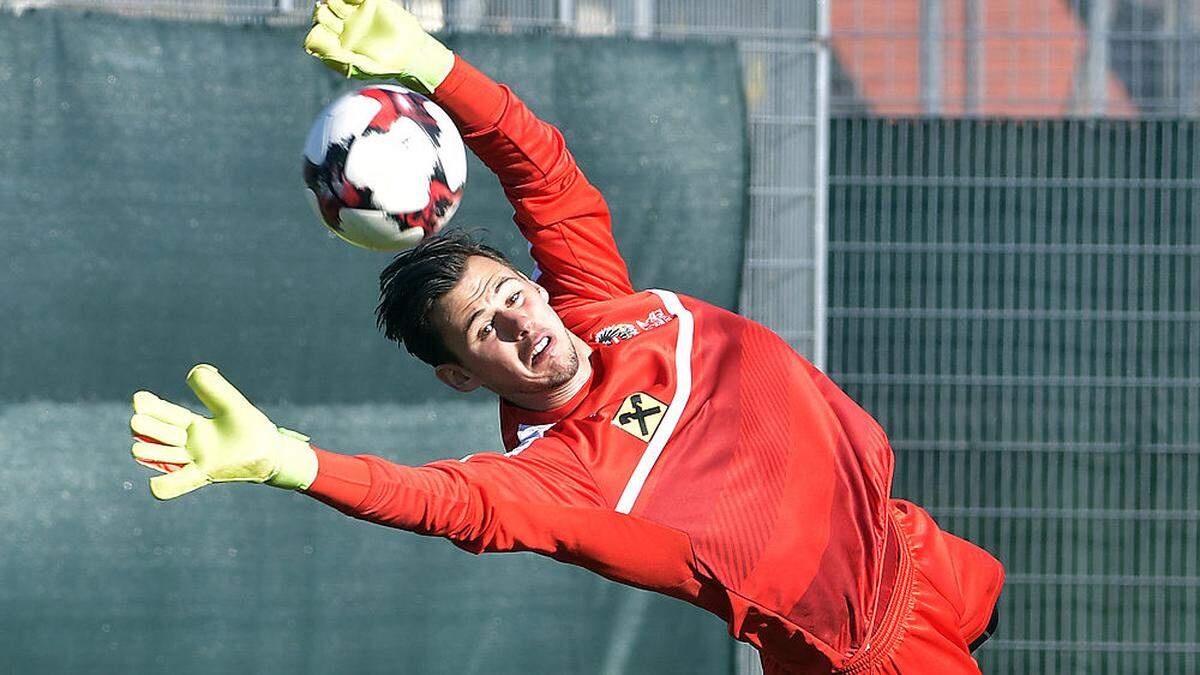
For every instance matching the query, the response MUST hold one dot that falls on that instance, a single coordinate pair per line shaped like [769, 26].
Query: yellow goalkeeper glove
[377, 39]
[238, 443]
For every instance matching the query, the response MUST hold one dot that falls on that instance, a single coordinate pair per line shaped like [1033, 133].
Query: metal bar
[1048, 381]
[781, 191]
[753, 41]
[1096, 66]
[1132, 515]
[1186, 61]
[1048, 107]
[1042, 447]
[759, 32]
[565, 17]
[1030, 182]
[1022, 34]
[973, 55]
[643, 18]
[821, 188]
[1010, 314]
[1092, 646]
[1102, 580]
[932, 27]
[465, 15]
[1008, 247]
[781, 263]
[783, 120]
[1172, 74]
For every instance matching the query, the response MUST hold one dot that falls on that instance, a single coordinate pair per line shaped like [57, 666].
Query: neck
[560, 395]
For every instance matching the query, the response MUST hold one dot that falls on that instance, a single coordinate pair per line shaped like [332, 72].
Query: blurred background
[979, 216]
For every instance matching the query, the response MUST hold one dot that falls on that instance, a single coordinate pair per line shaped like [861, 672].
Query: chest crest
[611, 335]
[639, 415]
[619, 332]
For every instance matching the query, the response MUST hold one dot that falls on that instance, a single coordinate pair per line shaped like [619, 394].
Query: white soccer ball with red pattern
[385, 167]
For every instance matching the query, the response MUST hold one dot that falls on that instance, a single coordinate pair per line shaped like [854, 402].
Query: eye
[486, 330]
[512, 299]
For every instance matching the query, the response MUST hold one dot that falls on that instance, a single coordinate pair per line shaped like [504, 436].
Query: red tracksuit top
[704, 459]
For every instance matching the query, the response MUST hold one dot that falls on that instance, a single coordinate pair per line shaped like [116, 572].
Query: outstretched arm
[562, 215]
[542, 499]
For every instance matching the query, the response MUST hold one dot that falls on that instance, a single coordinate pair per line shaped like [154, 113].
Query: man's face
[504, 332]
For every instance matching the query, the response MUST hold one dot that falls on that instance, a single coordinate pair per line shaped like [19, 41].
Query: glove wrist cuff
[433, 67]
[296, 465]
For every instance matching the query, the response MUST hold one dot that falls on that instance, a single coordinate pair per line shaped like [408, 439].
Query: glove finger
[161, 467]
[324, 44]
[324, 16]
[214, 391]
[156, 452]
[176, 415]
[157, 430]
[340, 8]
[176, 483]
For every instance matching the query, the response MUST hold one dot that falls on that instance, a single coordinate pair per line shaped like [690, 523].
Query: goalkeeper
[652, 438]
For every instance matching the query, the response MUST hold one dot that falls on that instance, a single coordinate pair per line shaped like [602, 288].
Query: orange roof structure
[1031, 58]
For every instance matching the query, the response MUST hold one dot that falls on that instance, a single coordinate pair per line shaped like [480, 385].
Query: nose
[514, 323]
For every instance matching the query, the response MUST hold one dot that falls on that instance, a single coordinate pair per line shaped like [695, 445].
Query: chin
[559, 373]
[565, 373]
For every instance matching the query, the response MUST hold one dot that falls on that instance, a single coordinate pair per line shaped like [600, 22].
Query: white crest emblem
[613, 334]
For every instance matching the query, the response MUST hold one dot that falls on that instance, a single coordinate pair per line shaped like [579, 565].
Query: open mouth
[539, 349]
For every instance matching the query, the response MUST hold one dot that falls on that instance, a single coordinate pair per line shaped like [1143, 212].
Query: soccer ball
[385, 167]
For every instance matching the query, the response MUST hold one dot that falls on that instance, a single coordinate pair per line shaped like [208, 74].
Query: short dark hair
[411, 285]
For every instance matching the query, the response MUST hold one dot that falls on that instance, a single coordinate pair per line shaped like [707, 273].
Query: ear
[456, 377]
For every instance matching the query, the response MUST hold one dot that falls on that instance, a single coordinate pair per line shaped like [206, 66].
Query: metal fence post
[566, 15]
[821, 189]
[931, 56]
[973, 54]
[465, 15]
[643, 18]
[1096, 85]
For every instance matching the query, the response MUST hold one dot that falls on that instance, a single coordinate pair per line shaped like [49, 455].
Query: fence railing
[1019, 304]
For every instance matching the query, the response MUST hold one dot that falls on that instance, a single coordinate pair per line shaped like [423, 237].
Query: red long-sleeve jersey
[704, 459]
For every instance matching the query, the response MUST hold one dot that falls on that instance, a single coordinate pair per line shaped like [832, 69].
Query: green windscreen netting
[155, 213]
[154, 217]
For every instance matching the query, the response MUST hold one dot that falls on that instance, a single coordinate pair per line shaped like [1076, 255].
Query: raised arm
[564, 218]
[561, 214]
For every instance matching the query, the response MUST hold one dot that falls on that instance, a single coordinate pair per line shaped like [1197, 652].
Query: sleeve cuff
[342, 481]
[474, 100]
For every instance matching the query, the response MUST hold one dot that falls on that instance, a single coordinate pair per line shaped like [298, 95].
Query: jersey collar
[511, 412]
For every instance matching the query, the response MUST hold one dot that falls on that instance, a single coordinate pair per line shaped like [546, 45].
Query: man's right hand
[237, 444]
[372, 39]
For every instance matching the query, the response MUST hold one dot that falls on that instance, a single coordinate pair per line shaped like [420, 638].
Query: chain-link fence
[1019, 302]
